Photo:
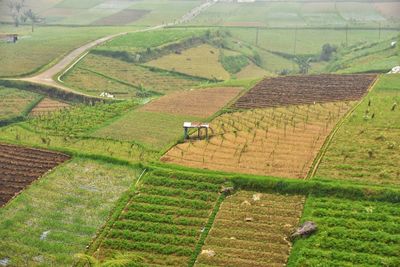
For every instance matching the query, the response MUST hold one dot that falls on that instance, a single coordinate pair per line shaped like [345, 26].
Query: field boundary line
[328, 141]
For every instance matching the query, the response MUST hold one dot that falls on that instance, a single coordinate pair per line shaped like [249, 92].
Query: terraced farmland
[281, 91]
[252, 229]
[20, 166]
[275, 141]
[48, 105]
[351, 233]
[14, 102]
[164, 218]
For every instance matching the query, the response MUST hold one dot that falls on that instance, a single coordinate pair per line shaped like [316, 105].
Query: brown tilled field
[280, 142]
[48, 105]
[199, 103]
[296, 90]
[123, 17]
[20, 166]
[252, 229]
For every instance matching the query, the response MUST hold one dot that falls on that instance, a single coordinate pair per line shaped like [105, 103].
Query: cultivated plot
[294, 90]
[46, 106]
[350, 233]
[14, 102]
[275, 141]
[20, 166]
[199, 103]
[252, 229]
[163, 219]
[372, 153]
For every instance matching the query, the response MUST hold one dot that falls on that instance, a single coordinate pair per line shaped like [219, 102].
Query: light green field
[69, 204]
[14, 102]
[156, 130]
[373, 152]
[30, 54]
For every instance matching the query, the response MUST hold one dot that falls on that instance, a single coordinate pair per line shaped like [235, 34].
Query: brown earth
[20, 166]
[199, 103]
[389, 10]
[252, 229]
[281, 142]
[295, 90]
[123, 17]
[48, 105]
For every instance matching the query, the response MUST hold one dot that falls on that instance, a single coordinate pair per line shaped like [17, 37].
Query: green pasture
[156, 130]
[372, 153]
[58, 215]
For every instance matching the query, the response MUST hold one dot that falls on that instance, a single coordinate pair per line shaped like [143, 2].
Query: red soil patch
[389, 10]
[198, 103]
[295, 90]
[20, 166]
[48, 105]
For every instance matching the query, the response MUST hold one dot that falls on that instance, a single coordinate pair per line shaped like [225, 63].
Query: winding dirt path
[47, 77]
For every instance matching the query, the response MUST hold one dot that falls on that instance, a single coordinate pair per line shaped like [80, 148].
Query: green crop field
[351, 233]
[15, 103]
[58, 215]
[372, 155]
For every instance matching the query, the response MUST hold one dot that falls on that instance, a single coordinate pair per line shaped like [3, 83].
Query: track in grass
[20, 166]
[46, 106]
[350, 233]
[252, 229]
[280, 142]
[163, 220]
[295, 90]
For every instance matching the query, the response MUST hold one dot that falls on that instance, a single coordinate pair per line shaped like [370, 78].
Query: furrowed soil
[20, 166]
[279, 142]
[200, 103]
[252, 229]
[46, 106]
[282, 91]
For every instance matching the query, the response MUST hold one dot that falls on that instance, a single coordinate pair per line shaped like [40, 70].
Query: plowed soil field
[280, 142]
[48, 105]
[296, 90]
[200, 103]
[252, 229]
[20, 166]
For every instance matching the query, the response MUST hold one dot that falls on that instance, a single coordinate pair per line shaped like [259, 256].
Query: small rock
[39, 259]
[4, 262]
[233, 238]
[257, 197]
[227, 190]
[246, 203]
[305, 230]
[44, 235]
[208, 252]
[249, 219]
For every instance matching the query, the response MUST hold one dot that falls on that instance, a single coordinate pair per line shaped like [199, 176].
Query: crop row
[163, 219]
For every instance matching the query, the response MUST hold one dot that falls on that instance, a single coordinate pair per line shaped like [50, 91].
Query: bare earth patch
[48, 105]
[123, 17]
[252, 229]
[200, 103]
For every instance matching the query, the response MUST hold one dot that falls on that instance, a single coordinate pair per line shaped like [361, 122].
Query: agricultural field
[20, 166]
[15, 103]
[29, 55]
[46, 106]
[163, 219]
[350, 233]
[252, 229]
[96, 74]
[373, 155]
[201, 103]
[279, 141]
[58, 215]
[202, 61]
[281, 91]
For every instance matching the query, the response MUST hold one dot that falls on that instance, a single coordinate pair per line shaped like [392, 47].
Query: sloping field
[163, 219]
[201, 61]
[275, 141]
[389, 10]
[199, 103]
[372, 154]
[350, 233]
[252, 229]
[123, 17]
[96, 74]
[281, 91]
[14, 102]
[48, 105]
[20, 166]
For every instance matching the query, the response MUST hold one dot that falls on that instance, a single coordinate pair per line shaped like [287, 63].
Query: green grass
[156, 130]
[350, 233]
[372, 154]
[30, 54]
[15, 103]
[71, 202]
[235, 63]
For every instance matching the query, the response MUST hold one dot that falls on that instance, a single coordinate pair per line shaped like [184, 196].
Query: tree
[327, 52]
[33, 18]
[16, 8]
